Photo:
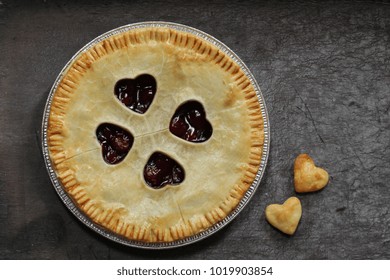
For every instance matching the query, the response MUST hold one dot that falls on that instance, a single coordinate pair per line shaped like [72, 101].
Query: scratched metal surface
[324, 73]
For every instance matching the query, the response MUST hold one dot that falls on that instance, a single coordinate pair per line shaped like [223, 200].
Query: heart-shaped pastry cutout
[161, 170]
[189, 122]
[285, 217]
[116, 142]
[136, 94]
[308, 177]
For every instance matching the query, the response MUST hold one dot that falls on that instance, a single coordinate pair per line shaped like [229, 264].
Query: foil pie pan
[158, 245]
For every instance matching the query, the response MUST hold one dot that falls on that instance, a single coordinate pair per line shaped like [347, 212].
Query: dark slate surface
[324, 72]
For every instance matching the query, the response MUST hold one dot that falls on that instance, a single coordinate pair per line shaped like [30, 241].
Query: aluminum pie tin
[155, 245]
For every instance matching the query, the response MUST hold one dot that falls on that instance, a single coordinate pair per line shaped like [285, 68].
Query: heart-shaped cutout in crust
[162, 170]
[189, 122]
[136, 94]
[116, 142]
[285, 217]
[308, 177]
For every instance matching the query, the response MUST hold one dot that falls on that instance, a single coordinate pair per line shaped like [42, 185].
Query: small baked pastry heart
[308, 177]
[285, 217]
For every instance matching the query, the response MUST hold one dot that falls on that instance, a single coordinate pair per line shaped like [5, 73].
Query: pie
[155, 133]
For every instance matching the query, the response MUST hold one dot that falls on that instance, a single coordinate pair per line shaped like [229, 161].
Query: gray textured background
[324, 73]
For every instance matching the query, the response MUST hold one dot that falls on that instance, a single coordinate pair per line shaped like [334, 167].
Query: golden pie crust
[218, 171]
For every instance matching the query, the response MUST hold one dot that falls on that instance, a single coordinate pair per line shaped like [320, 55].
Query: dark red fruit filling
[137, 94]
[115, 141]
[189, 122]
[161, 170]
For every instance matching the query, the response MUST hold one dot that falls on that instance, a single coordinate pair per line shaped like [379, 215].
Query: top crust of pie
[218, 171]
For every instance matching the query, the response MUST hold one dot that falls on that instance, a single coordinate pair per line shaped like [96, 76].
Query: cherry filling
[115, 141]
[161, 170]
[136, 94]
[189, 122]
